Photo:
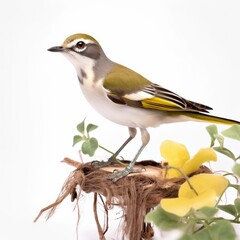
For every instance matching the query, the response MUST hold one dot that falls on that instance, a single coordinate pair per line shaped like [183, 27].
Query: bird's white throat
[83, 65]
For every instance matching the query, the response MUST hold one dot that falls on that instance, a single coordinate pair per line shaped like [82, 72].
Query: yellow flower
[177, 155]
[208, 188]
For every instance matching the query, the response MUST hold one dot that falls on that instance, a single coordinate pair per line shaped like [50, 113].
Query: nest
[136, 194]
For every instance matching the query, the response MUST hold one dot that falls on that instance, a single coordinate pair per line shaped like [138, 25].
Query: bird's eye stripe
[74, 42]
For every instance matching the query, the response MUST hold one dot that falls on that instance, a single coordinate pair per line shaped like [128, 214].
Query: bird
[125, 97]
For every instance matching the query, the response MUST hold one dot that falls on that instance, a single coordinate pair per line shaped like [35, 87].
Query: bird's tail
[212, 119]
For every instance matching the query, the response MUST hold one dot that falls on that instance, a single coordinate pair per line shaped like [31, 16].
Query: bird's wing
[164, 99]
[122, 80]
[124, 86]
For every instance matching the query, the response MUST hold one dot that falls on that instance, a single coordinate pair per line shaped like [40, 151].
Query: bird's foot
[117, 174]
[101, 164]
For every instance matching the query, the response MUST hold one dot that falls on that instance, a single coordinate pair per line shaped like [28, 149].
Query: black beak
[56, 49]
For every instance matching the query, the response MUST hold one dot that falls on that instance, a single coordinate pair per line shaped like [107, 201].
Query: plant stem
[221, 218]
[220, 197]
[185, 176]
[103, 148]
[119, 161]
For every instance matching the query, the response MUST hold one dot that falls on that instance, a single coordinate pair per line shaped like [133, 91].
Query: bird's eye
[80, 45]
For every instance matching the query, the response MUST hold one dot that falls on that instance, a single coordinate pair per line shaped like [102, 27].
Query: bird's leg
[116, 175]
[132, 134]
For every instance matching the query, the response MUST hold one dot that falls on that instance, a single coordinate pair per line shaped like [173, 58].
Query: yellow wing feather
[160, 104]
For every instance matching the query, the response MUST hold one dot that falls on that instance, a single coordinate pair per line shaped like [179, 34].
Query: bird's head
[82, 50]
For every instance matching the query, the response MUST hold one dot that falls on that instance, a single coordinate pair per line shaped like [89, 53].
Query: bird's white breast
[125, 115]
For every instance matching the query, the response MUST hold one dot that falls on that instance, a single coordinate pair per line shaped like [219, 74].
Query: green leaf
[225, 151]
[163, 219]
[204, 234]
[220, 139]
[213, 131]
[221, 229]
[81, 126]
[237, 204]
[232, 132]
[228, 208]
[90, 146]
[206, 212]
[91, 127]
[236, 169]
[77, 139]
[186, 237]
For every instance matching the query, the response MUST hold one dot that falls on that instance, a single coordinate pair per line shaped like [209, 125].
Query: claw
[100, 164]
[111, 160]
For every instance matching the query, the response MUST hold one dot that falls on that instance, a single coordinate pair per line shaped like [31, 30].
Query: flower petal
[175, 154]
[178, 206]
[206, 199]
[203, 155]
[181, 206]
[203, 182]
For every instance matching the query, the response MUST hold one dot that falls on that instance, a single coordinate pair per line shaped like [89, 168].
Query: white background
[190, 47]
